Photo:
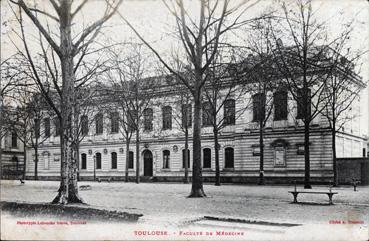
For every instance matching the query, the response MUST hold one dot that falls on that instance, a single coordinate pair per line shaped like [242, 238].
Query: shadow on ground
[75, 212]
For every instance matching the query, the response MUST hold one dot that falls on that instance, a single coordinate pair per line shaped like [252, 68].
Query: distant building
[12, 156]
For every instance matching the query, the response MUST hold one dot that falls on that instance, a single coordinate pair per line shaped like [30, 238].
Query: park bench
[329, 193]
[107, 179]
[85, 187]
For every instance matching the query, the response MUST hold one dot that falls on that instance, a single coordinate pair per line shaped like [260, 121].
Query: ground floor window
[166, 157]
[229, 157]
[207, 158]
[98, 160]
[113, 160]
[84, 161]
[130, 160]
[183, 158]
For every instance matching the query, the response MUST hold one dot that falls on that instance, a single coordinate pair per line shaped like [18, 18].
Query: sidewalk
[167, 202]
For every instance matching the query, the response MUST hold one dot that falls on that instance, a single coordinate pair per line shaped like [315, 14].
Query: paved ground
[166, 205]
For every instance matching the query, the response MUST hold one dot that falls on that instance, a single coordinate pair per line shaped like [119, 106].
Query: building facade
[161, 148]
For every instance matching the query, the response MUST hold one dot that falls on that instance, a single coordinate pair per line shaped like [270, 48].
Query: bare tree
[132, 94]
[200, 36]
[341, 90]
[302, 65]
[222, 91]
[70, 48]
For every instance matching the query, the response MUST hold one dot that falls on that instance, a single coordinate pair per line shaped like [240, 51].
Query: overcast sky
[155, 23]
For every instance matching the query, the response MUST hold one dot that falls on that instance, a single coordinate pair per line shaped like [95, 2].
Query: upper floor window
[37, 127]
[99, 123]
[132, 120]
[229, 112]
[229, 157]
[258, 105]
[114, 122]
[186, 115]
[166, 158]
[14, 140]
[303, 103]
[183, 158]
[84, 125]
[206, 114]
[47, 127]
[280, 105]
[167, 118]
[148, 118]
[98, 160]
[114, 160]
[130, 160]
[207, 157]
[57, 126]
[83, 161]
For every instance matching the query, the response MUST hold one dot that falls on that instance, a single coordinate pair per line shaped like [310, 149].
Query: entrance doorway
[148, 163]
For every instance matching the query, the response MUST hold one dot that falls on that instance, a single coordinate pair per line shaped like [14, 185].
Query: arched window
[130, 160]
[84, 124]
[83, 161]
[188, 158]
[229, 157]
[113, 160]
[98, 160]
[148, 118]
[99, 124]
[166, 158]
[207, 158]
[167, 118]
[206, 114]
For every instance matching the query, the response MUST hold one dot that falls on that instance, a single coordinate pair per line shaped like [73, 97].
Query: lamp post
[94, 167]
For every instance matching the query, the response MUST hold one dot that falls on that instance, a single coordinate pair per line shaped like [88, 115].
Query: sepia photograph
[184, 120]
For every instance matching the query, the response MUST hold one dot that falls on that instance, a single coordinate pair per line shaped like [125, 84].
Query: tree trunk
[197, 186]
[127, 160]
[216, 148]
[68, 191]
[24, 162]
[335, 171]
[36, 159]
[186, 155]
[137, 155]
[261, 146]
[77, 154]
[307, 184]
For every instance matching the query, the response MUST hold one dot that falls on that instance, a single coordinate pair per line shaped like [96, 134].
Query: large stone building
[161, 149]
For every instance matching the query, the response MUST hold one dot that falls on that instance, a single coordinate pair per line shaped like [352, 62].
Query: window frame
[229, 107]
[257, 100]
[280, 110]
[167, 117]
[98, 165]
[113, 160]
[226, 165]
[83, 161]
[203, 157]
[148, 114]
[166, 159]
[99, 124]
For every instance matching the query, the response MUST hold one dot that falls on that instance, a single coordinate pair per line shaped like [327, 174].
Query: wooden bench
[107, 179]
[329, 193]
